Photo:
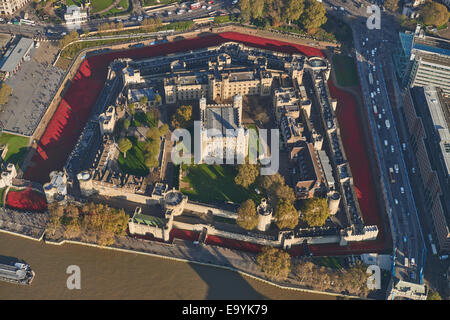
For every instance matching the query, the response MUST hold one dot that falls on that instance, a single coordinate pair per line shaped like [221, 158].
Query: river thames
[107, 274]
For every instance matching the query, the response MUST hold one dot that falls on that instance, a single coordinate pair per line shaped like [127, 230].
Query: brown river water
[107, 274]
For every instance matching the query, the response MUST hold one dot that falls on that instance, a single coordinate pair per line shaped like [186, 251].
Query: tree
[153, 176]
[132, 109]
[72, 211]
[282, 192]
[247, 215]
[433, 295]
[73, 229]
[274, 10]
[68, 38]
[293, 9]
[391, 5]
[126, 124]
[247, 174]
[245, 7]
[143, 100]
[5, 92]
[257, 8]
[163, 130]
[158, 99]
[183, 117]
[315, 212]
[125, 145]
[55, 213]
[153, 133]
[151, 161]
[313, 16]
[434, 13]
[286, 216]
[275, 263]
[266, 182]
[119, 25]
[276, 188]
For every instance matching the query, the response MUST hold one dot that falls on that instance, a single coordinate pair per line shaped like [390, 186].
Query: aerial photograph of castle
[224, 150]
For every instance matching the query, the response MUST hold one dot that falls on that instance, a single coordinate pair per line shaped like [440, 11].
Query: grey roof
[22, 48]
[221, 118]
[440, 123]
[328, 171]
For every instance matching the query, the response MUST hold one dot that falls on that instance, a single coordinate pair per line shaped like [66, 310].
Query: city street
[410, 252]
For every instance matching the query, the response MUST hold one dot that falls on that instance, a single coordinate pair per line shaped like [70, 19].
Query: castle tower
[237, 104]
[333, 202]
[264, 215]
[202, 106]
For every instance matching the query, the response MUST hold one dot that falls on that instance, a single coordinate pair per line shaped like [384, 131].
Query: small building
[3, 151]
[8, 174]
[291, 131]
[56, 189]
[11, 6]
[136, 94]
[75, 16]
[107, 121]
[307, 173]
[17, 56]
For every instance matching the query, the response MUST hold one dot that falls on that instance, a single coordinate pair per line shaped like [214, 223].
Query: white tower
[264, 216]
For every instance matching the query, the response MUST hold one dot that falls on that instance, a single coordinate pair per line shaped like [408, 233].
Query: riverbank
[185, 252]
[115, 274]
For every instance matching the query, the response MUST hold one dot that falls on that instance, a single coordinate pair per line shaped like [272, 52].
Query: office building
[423, 60]
[428, 118]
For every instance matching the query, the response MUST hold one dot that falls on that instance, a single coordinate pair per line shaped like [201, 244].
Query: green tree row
[95, 219]
[314, 211]
[309, 14]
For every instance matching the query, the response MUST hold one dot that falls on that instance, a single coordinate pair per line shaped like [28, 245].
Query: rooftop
[440, 117]
[222, 118]
[14, 59]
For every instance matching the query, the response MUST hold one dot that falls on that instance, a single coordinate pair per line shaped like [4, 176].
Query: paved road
[373, 49]
[40, 29]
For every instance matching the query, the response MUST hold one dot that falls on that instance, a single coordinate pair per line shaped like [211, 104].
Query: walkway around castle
[107, 274]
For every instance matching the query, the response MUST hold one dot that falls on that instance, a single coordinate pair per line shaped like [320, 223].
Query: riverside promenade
[32, 226]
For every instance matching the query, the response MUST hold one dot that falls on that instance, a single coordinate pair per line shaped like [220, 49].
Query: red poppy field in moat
[72, 113]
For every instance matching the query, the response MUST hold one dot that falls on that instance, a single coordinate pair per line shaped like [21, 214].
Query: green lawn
[330, 262]
[125, 6]
[17, 147]
[2, 191]
[224, 220]
[99, 5]
[215, 183]
[141, 118]
[345, 70]
[134, 162]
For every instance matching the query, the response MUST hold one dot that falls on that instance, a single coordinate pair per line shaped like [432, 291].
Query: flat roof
[13, 60]
[440, 122]
[149, 220]
[328, 171]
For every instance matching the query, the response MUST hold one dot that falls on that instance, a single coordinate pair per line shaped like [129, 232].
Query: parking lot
[33, 88]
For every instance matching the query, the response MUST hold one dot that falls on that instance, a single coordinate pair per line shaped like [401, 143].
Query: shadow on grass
[215, 183]
[134, 162]
[18, 157]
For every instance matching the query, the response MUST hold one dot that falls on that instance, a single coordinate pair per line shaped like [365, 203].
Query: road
[373, 48]
[40, 29]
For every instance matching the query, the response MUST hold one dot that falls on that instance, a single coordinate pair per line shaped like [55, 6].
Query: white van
[385, 143]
